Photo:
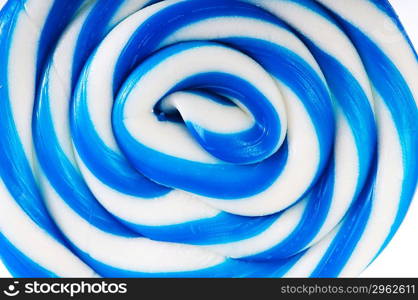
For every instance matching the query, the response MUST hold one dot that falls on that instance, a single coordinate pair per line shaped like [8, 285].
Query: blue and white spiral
[203, 138]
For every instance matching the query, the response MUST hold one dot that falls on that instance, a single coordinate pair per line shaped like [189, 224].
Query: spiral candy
[203, 138]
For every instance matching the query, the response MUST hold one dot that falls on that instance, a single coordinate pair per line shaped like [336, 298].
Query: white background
[399, 259]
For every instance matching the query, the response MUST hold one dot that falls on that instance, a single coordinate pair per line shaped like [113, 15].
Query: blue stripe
[60, 14]
[14, 166]
[63, 176]
[221, 229]
[387, 8]
[352, 228]
[162, 24]
[18, 264]
[348, 94]
[230, 268]
[354, 105]
[391, 85]
[295, 73]
[213, 180]
[314, 216]
[91, 34]
[108, 166]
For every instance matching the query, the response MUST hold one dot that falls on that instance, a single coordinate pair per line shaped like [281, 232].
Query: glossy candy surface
[203, 138]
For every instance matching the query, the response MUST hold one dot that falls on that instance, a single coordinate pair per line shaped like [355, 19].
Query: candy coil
[203, 138]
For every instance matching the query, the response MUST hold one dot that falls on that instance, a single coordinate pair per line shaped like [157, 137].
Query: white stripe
[35, 242]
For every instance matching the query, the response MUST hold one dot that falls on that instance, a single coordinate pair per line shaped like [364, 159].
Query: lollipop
[203, 138]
